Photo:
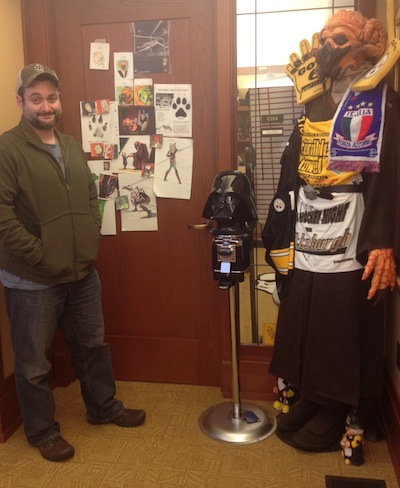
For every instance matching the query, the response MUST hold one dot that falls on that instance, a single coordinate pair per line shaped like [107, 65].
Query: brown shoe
[56, 449]
[129, 418]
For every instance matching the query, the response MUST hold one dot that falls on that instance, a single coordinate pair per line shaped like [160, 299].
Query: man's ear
[19, 101]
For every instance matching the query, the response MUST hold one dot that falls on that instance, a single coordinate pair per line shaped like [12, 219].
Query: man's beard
[35, 121]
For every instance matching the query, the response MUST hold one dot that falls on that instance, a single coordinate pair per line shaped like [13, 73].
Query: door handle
[203, 226]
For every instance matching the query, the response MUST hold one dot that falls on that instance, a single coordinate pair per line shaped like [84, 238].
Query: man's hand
[302, 70]
[382, 263]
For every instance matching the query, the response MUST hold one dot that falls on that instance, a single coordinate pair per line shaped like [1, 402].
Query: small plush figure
[352, 440]
[286, 396]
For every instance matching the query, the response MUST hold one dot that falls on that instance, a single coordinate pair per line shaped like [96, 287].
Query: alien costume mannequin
[337, 202]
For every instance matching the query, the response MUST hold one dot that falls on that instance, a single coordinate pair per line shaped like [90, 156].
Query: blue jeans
[34, 315]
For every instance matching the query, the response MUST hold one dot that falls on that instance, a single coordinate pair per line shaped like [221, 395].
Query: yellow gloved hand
[302, 70]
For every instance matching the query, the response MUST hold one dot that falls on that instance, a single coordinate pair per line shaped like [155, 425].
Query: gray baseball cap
[29, 74]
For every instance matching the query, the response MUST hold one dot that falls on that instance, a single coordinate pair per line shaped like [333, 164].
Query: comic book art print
[143, 91]
[141, 215]
[136, 119]
[123, 67]
[135, 155]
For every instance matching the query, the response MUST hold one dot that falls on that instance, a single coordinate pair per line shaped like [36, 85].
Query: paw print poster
[173, 110]
[99, 128]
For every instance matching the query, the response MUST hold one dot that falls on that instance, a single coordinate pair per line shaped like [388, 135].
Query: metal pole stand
[242, 423]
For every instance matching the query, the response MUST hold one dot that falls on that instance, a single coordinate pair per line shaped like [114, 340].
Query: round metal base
[254, 424]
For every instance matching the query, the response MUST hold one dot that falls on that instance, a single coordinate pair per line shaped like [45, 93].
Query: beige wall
[12, 59]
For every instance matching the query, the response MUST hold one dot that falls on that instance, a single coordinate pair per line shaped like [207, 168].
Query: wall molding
[391, 418]
[10, 416]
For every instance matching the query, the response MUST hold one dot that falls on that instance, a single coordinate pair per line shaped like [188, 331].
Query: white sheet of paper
[173, 110]
[173, 173]
[99, 128]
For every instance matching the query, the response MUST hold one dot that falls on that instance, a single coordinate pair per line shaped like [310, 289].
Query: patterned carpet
[170, 451]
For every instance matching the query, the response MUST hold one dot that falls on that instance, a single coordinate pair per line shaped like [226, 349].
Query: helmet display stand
[242, 423]
[231, 206]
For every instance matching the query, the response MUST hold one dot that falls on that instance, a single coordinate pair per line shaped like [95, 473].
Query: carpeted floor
[170, 451]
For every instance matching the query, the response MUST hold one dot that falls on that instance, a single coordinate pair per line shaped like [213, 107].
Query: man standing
[49, 237]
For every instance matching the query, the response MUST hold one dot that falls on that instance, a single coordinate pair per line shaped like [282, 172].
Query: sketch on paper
[173, 168]
[142, 212]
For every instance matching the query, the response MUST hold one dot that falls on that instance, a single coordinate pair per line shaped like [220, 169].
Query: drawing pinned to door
[173, 109]
[142, 212]
[99, 55]
[151, 46]
[173, 168]
[99, 126]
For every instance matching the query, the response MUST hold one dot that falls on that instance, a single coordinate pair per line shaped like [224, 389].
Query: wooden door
[163, 311]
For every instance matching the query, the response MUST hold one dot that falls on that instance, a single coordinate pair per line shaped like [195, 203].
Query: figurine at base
[352, 440]
[286, 396]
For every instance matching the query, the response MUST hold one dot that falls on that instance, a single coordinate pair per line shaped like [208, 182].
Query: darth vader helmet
[231, 203]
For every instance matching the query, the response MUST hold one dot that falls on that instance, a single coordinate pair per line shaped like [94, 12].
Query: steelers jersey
[326, 230]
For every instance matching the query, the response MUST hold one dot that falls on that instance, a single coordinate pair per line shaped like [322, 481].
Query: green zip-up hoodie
[49, 224]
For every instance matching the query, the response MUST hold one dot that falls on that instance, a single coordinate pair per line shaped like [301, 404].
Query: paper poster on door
[143, 91]
[142, 212]
[151, 46]
[123, 66]
[99, 127]
[173, 107]
[123, 78]
[99, 55]
[136, 119]
[173, 168]
[107, 189]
